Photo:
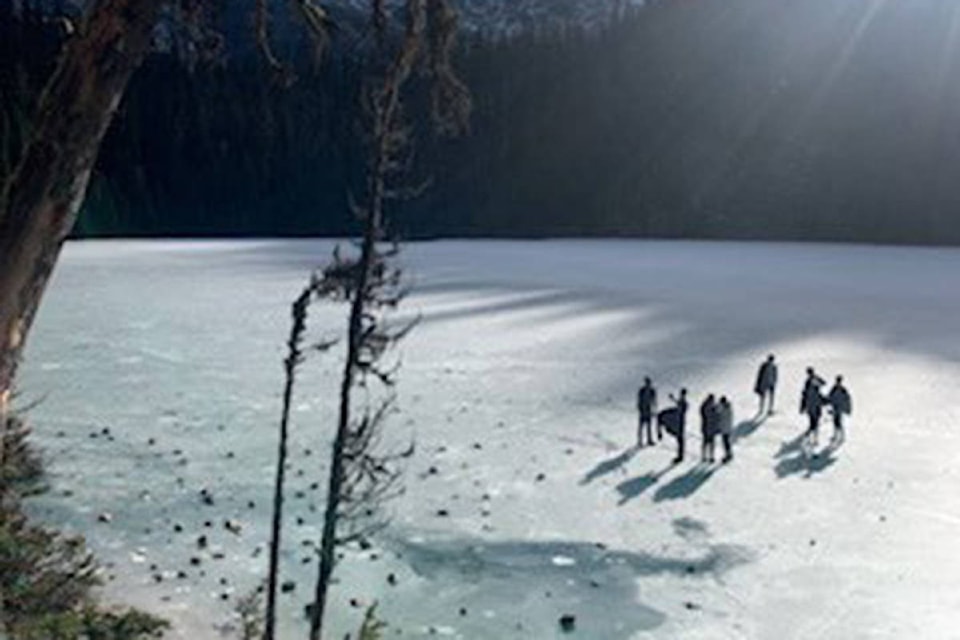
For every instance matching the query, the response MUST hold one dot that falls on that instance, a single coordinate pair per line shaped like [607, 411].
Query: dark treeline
[826, 119]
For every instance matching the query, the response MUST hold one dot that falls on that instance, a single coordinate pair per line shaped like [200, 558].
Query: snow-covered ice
[160, 364]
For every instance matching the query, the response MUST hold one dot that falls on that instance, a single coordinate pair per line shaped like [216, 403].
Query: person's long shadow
[634, 487]
[791, 447]
[748, 427]
[803, 460]
[685, 485]
[609, 465]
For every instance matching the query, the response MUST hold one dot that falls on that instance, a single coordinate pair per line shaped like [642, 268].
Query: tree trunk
[386, 106]
[40, 202]
[331, 514]
[294, 358]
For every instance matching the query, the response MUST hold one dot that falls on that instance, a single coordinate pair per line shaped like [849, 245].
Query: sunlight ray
[839, 65]
[948, 53]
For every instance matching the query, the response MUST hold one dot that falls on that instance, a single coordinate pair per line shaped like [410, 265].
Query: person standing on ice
[675, 421]
[841, 405]
[766, 384]
[708, 428]
[811, 403]
[647, 406]
[725, 423]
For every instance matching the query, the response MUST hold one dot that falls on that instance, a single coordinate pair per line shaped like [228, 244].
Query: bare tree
[317, 288]
[361, 477]
[294, 358]
[369, 477]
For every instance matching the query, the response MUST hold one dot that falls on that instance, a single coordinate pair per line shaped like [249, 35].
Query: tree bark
[40, 202]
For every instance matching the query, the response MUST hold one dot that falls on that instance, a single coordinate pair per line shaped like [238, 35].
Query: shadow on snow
[748, 427]
[683, 486]
[797, 458]
[531, 583]
[634, 487]
[609, 465]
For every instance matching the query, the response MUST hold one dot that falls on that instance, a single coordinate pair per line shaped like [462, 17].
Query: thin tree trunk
[329, 540]
[386, 110]
[39, 204]
[354, 336]
[294, 357]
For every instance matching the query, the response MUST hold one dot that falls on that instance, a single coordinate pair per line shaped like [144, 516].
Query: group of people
[716, 416]
[813, 403]
[716, 419]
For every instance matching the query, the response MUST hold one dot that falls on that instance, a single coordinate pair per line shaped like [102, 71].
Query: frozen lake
[519, 389]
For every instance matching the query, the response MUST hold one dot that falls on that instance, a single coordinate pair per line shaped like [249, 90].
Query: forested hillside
[826, 119]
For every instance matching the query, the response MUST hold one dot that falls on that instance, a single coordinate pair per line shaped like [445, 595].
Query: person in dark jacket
[841, 405]
[647, 406]
[725, 419]
[675, 421]
[708, 428]
[811, 403]
[766, 385]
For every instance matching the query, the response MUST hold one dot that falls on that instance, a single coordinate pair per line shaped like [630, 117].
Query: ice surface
[519, 389]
